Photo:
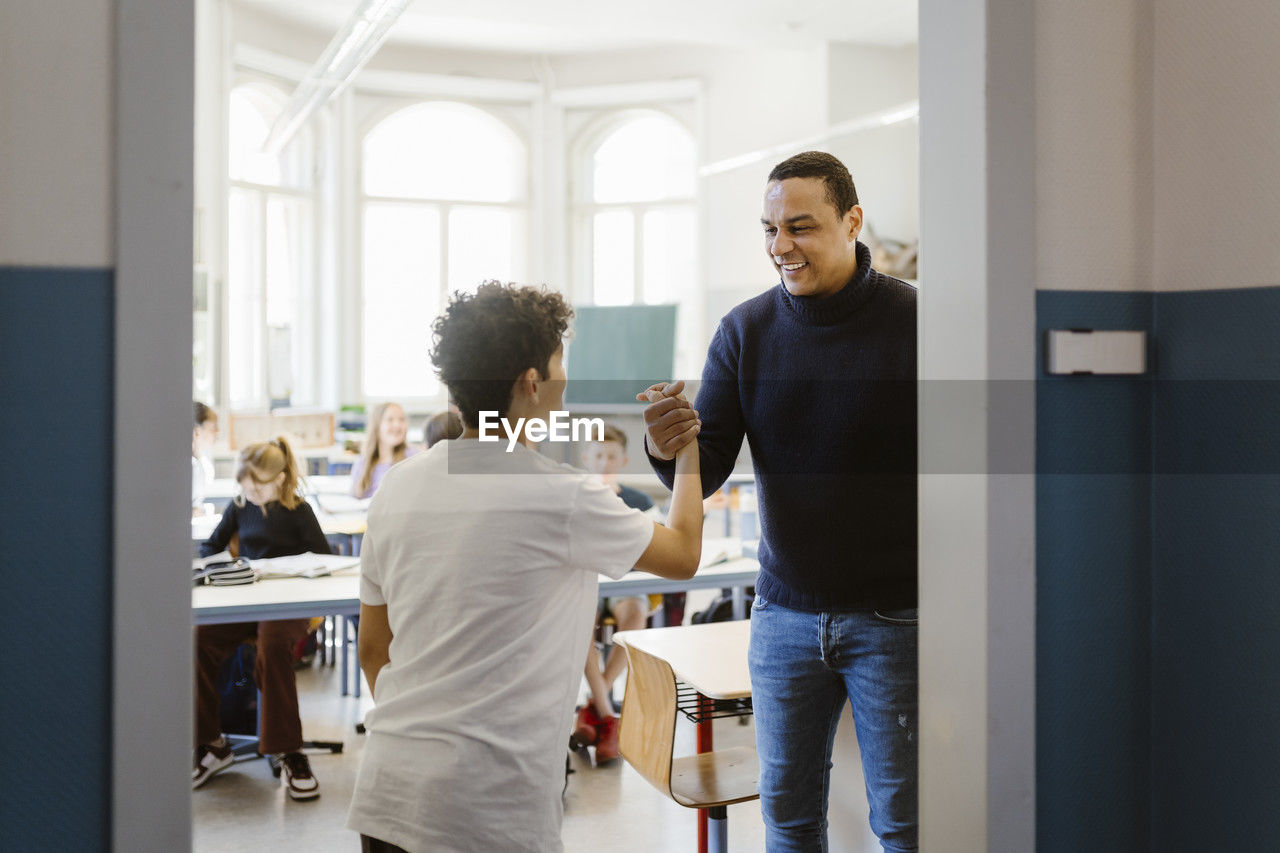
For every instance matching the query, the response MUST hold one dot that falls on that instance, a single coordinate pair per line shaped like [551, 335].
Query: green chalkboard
[616, 352]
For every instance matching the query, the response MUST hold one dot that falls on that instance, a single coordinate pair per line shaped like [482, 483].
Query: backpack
[721, 608]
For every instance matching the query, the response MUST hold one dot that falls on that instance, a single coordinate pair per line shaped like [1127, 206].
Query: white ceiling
[569, 26]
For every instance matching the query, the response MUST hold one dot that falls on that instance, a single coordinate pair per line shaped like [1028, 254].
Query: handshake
[671, 422]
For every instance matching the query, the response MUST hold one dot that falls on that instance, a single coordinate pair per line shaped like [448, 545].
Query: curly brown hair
[483, 342]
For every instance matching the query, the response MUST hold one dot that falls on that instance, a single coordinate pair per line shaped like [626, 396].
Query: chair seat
[716, 778]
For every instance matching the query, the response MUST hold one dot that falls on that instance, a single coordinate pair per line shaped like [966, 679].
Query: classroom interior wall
[1156, 496]
[56, 365]
[1216, 493]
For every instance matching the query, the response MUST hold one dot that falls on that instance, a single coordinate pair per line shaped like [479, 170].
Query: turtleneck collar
[827, 310]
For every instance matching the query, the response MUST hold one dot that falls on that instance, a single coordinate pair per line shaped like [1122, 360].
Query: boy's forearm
[685, 516]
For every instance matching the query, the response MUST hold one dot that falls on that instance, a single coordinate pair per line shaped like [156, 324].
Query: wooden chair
[646, 739]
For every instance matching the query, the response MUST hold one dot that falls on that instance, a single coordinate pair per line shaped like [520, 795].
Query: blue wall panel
[1093, 590]
[1216, 583]
[56, 367]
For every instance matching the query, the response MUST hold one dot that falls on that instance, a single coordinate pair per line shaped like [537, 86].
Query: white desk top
[291, 598]
[711, 658]
[278, 598]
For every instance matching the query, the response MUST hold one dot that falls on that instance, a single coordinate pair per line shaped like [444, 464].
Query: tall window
[270, 249]
[444, 197]
[638, 212]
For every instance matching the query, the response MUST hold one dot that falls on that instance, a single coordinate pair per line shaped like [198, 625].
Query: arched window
[444, 194]
[270, 240]
[638, 211]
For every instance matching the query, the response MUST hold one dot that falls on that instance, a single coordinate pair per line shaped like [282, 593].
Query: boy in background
[597, 721]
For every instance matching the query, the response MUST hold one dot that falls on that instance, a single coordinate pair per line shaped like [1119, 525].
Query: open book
[297, 566]
[719, 550]
[303, 565]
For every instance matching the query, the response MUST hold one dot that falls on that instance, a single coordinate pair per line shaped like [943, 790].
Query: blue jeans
[803, 667]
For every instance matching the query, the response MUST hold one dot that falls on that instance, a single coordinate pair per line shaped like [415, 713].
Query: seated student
[272, 520]
[478, 584]
[203, 435]
[596, 722]
[441, 427]
[385, 444]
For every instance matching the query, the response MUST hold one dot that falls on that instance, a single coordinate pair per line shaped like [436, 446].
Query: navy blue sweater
[824, 389]
[278, 532]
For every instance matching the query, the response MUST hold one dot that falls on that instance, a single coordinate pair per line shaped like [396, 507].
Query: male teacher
[819, 374]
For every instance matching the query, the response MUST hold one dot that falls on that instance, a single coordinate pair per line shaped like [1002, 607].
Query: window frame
[522, 207]
[304, 390]
[607, 119]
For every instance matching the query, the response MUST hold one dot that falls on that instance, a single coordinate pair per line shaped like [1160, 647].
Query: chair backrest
[647, 731]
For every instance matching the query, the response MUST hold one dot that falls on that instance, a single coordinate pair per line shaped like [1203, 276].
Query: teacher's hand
[670, 421]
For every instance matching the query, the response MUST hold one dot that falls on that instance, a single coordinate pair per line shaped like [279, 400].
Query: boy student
[478, 585]
[820, 372]
[596, 722]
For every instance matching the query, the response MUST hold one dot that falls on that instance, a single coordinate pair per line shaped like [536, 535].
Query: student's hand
[670, 421]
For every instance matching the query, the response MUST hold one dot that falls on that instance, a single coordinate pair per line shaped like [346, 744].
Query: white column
[152, 686]
[977, 426]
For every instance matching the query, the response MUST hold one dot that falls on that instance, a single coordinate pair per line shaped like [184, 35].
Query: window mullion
[637, 252]
[263, 344]
[444, 253]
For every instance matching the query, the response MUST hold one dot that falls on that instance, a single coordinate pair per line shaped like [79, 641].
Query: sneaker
[584, 727]
[210, 759]
[297, 778]
[607, 741]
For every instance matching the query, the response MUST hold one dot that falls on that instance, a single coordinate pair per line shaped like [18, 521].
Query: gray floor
[606, 808]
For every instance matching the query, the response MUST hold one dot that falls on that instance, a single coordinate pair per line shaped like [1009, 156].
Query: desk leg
[705, 744]
[342, 640]
[355, 647]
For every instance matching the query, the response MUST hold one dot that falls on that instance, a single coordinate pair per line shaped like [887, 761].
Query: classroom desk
[295, 598]
[339, 595]
[712, 659]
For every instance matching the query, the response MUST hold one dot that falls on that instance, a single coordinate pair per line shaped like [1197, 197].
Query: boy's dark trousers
[281, 726]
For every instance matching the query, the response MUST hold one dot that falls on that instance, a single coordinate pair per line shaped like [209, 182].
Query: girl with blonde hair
[385, 444]
[272, 520]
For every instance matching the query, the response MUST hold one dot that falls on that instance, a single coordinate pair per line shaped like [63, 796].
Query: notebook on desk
[222, 570]
[307, 565]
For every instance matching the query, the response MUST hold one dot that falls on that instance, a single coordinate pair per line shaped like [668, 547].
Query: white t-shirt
[487, 562]
[201, 474]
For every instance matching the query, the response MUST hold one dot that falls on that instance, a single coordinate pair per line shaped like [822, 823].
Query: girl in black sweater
[271, 519]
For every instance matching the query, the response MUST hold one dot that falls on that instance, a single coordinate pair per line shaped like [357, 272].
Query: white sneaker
[210, 759]
[295, 774]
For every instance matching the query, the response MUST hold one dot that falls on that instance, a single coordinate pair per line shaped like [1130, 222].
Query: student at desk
[478, 583]
[272, 520]
[444, 426]
[203, 434]
[385, 444]
[597, 723]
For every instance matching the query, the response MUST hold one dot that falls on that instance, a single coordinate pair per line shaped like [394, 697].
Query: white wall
[1093, 138]
[1155, 168]
[1217, 173]
[885, 161]
[56, 210]
[977, 530]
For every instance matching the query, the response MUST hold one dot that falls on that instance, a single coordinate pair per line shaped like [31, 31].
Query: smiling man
[818, 374]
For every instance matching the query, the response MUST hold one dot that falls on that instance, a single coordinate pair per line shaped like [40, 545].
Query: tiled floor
[608, 808]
